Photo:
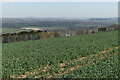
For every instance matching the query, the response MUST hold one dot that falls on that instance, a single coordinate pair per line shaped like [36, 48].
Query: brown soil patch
[73, 68]
[62, 65]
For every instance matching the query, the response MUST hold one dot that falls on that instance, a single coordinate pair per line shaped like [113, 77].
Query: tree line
[28, 35]
[35, 35]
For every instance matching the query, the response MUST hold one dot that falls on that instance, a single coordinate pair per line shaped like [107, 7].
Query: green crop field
[59, 57]
[102, 68]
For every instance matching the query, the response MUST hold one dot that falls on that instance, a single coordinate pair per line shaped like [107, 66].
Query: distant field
[10, 30]
[13, 30]
[62, 57]
[57, 23]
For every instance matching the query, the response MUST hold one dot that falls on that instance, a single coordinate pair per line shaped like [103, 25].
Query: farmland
[9, 30]
[28, 59]
[106, 68]
[57, 23]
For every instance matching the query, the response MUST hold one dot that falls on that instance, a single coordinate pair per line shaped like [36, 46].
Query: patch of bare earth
[62, 65]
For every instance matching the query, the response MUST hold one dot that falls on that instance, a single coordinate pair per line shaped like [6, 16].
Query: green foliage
[101, 29]
[107, 68]
[20, 57]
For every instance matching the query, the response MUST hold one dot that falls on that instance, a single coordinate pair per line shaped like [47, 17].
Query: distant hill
[100, 18]
[57, 23]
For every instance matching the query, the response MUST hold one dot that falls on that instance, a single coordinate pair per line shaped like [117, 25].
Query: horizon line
[61, 17]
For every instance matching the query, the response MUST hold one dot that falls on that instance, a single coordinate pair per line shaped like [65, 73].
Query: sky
[59, 0]
[59, 9]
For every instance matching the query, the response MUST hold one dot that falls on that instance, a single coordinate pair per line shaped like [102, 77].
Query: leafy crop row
[20, 57]
[106, 68]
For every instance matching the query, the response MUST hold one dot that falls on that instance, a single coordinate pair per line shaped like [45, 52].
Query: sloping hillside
[28, 59]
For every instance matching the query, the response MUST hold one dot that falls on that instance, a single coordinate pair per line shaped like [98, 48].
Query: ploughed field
[84, 56]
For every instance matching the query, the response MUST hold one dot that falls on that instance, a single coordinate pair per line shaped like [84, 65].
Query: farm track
[90, 61]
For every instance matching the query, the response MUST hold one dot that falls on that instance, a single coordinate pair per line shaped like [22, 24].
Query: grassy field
[59, 57]
[9, 30]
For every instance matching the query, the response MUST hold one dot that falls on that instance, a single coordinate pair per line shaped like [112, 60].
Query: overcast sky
[60, 9]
